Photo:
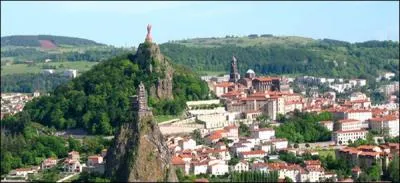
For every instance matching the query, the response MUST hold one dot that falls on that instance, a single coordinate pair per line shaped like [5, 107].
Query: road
[328, 144]
[67, 177]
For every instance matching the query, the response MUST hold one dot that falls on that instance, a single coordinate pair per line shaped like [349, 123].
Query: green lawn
[325, 153]
[37, 68]
[162, 118]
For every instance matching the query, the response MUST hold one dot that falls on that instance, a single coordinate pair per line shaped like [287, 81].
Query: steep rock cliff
[150, 59]
[139, 151]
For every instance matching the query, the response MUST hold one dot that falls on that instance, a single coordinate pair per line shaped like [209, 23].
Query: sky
[124, 23]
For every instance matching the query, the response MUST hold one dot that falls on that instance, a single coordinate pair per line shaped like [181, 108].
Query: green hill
[287, 55]
[35, 41]
[37, 48]
[98, 100]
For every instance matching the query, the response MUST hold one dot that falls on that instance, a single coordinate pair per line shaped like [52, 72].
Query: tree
[287, 179]
[296, 145]
[233, 161]
[244, 130]
[393, 169]
[264, 121]
[307, 145]
[375, 172]
[349, 141]
[226, 141]
[74, 145]
[105, 127]
[196, 135]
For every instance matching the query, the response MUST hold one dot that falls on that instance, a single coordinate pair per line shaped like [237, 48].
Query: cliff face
[149, 58]
[140, 156]
[139, 152]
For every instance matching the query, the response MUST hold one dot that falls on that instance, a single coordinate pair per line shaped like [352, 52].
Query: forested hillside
[98, 100]
[34, 41]
[287, 55]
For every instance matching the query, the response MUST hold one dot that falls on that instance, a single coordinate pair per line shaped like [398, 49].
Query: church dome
[250, 71]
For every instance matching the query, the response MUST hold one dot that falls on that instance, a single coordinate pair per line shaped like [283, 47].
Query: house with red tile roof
[48, 163]
[241, 166]
[388, 122]
[94, 160]
[252, 154]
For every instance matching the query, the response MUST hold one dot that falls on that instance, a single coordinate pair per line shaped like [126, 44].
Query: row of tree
[29, 82]
[324, 58]
[254, 176]
[33, 40]
[93, 55]
[34, 143]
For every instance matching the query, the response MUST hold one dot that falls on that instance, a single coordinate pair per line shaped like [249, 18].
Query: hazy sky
[124, 23]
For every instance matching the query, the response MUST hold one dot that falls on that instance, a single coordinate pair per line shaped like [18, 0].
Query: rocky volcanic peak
[150, 59]
[139, 152]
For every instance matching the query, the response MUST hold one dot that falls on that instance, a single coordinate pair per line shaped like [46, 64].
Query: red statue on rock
[148, 36]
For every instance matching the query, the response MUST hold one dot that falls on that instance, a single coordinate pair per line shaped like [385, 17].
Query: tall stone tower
[140, 101]
[234, 75]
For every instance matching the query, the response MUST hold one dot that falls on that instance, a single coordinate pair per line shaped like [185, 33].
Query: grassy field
[37, 68]
[245, 41]
[325, 153]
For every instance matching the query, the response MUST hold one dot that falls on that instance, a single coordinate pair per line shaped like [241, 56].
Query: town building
[365, 156]
[261, 84]
[218, 168]
[24, 172]
[71, 73]
[241, 166]
[349, 124]
[386, 124]
[263, 133]
[94, 160]
[48, 163]
[186, 144]
[247, 155]
[343, 137]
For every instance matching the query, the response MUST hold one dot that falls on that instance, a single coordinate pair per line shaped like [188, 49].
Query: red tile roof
[230, 127]
[385, 118]
[225, 84]
[312, 162]
[262, 79]
[177, 161]
[359, 101]
[357, 110]
[356, 169]
[253, 152]
[369, 154]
